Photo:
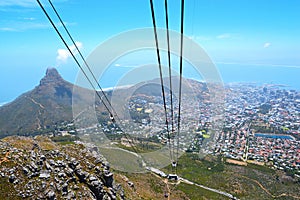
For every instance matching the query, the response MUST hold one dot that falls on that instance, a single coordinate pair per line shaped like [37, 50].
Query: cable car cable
[78, 64]
[170, 75]
[160, 73]
[87, 65]
[76, 46]
[180, 81]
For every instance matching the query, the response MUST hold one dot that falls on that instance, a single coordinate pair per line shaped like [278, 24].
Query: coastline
[3, 103]
[115, 88]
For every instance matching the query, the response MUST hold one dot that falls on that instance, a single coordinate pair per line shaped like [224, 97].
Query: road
[207, 188]
[183, 180]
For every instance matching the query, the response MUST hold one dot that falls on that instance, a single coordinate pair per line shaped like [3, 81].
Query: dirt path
[40, 105]
[168, 188]
[266, 190]
[5, 159]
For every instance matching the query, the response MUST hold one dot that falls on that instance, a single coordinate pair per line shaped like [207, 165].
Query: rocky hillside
[37, 168]
[40, 169]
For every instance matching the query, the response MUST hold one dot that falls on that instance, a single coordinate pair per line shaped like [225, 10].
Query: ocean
[261, 74]
[287, 76]
[230, 72]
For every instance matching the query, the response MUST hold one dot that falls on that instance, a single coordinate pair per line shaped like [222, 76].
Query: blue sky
[231, 31]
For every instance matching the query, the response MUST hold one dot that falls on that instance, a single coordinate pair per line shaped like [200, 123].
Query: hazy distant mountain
[47, 104]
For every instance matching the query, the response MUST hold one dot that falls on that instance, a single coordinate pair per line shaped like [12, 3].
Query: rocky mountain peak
[52, 76]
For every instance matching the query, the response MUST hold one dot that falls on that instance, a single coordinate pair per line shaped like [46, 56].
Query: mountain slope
[46, 105]
[50, 103]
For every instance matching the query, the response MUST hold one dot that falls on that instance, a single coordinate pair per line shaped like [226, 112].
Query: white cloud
[117, 65]
[7, 29]
[267, 44]
[259, 64]
[22, 3]
[64, 54]
[20, 26]
[73, 48]
[200, 38]
[224, 36]
[25, 3]
[29, 18]
[29, 24]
